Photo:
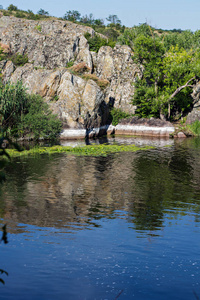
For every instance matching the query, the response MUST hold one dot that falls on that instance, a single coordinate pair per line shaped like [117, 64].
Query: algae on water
[90, 150]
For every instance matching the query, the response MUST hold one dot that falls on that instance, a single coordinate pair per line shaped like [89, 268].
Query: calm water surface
[126, 226]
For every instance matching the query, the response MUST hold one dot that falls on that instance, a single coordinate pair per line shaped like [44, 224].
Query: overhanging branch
[182, 87]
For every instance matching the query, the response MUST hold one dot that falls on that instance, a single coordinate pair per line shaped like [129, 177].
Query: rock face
[50, 45]
[195, 113]
[117, 66]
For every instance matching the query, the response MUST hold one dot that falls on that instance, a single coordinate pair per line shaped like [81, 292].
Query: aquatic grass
[89, 150]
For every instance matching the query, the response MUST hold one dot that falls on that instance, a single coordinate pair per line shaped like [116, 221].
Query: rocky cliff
[81, 97]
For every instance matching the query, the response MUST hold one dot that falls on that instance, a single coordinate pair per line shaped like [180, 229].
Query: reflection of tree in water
[61, 190]
[163, 184]
[149, 190]
[19, 171]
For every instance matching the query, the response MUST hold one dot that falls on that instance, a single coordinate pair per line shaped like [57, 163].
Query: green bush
[7, 13]
[38, 27]
[117, 114]
[195, 128]
[20, 14]
[96, 42]
[12, 7]
[23, 114]
[70, 64]
[18, 59]
[32, 16]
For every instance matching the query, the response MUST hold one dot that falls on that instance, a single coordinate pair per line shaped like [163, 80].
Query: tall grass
[195, 128]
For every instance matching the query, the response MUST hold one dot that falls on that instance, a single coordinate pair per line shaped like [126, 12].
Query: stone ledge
[120, 129]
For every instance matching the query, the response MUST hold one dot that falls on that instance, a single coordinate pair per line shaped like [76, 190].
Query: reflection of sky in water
[99, 263]
[125, 225]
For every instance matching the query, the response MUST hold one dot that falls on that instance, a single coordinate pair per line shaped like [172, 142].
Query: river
[124, 226]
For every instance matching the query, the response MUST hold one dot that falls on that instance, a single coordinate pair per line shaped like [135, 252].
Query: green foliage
[2, 54]
[70, 64]
[111, 33]
[42, 12]
[195, 128]
[32, 16]
[145, 100]
[38, 27]
[96, 42]
[113, 19]
[117, 114]
[39, 120]
[20, 14]
[149, 52]
[13, 102]
[23, 114]
[130, 34]
[72, 15]
[12, 7]
[88, 20]
[167, 62]
[18, 59]
[7, 13]
[185, 39]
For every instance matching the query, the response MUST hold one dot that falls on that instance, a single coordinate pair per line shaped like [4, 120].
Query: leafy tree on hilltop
[42, 12]
[113, 19]
[12, 7]
[72, 15]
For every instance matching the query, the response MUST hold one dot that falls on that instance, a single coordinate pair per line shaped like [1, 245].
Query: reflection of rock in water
[138, 141]
[61, 190]
[70, 189]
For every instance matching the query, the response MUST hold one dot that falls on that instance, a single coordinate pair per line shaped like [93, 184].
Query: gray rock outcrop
[50, 44]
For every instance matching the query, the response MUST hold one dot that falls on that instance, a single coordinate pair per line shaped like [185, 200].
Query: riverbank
[133, 126]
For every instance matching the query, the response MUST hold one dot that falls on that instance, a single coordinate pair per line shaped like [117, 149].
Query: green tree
[181, 69]
[130, 34]
[148, 54]
[99, 22]
[72, 15]
[113, 19]
[42, 12]
[168, 79]
[12, 7]
[184, 39]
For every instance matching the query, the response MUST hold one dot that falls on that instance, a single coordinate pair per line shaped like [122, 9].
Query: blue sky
[168, 14]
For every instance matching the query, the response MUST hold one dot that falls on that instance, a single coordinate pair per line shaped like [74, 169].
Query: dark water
[126, 226]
